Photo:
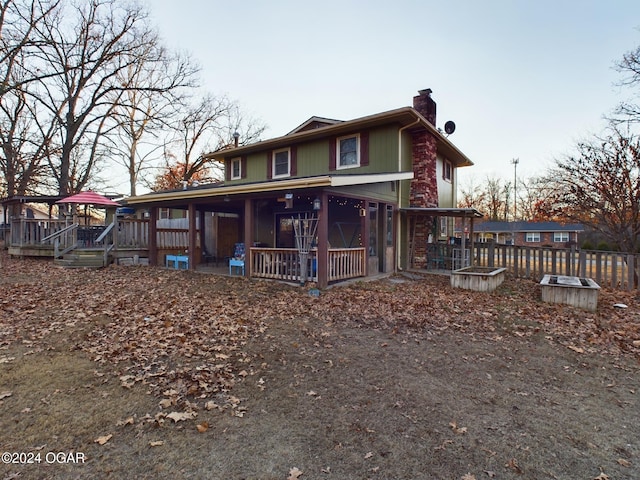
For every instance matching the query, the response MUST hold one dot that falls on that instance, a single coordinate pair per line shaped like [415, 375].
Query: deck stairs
[83, 258]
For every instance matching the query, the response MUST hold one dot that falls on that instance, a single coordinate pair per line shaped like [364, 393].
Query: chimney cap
[426, 91]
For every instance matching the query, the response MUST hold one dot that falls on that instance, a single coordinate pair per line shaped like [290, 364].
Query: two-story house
[375, 185]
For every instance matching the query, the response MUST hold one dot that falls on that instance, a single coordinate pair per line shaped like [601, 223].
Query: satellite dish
[449, 127]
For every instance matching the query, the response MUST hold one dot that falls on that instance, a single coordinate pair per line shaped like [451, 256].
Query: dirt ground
[139, 372]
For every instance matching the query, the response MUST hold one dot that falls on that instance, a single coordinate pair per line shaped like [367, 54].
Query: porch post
[192, 236]
[322, 263]
[473, 243]
[248, 236]
[202, 245]
[153, 236]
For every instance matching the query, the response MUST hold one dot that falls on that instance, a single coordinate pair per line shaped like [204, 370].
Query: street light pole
[515, 162]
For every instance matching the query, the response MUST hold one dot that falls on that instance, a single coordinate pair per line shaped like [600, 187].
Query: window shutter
[227, 169]
[364, 148]
[332, 154]
[269, 165]
[243, 166]
[293, 167]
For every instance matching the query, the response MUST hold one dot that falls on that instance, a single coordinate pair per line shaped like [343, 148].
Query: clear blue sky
[519, 78]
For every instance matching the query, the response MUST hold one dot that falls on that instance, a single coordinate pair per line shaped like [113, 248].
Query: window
[561, 237]
[281, 164]
[447, 170]
[236, 169]
[532, 237]
[348, 151]
[164, 213]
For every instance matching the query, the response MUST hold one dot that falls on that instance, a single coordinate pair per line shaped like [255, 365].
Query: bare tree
[91, 44]
[204, 127]
[23, 143]
[144, 112]
[629, 68]
[599, 186]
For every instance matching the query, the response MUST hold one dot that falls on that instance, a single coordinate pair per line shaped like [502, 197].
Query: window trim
[273, 163]
[235, 160]
[563, 234]
[447, 177]
[532, 237]
[339, 165]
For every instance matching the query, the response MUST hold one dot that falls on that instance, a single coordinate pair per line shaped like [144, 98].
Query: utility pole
[515, 162]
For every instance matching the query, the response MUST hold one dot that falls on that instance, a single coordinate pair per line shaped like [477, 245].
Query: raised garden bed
[480, 279]
[574, 291]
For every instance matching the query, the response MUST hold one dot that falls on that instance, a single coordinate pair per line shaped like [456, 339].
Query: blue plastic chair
[238, 258]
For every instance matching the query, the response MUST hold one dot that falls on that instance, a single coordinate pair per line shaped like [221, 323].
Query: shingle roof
[528, 227]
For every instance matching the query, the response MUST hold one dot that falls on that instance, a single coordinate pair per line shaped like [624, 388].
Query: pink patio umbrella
[89, 198]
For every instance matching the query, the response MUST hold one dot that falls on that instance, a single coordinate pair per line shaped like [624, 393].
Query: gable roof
[405, 116]
[522, 226]
[314, 122]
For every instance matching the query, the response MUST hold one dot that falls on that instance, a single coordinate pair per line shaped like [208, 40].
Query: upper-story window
[348, 151]
[236, 168]
[281, 163]
[447, 170]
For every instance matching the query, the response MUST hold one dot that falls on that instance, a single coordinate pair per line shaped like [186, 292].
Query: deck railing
[31, 231]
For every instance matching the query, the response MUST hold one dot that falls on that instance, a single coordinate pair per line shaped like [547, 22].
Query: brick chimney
[424, 186]
[424, 104]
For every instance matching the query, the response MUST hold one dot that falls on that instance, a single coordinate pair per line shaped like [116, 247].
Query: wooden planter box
[480, 279]
[574, 291]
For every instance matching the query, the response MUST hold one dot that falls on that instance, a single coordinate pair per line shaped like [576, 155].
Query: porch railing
[281, 264]
[346, 263]
[284, 264]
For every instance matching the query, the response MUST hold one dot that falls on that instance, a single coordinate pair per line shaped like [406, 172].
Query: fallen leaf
[157, 443]
[368, 455]
[294, 473]
[456, 429]
[128, 421]
[203, 427]
[210, 405]
[469, 476]
[576, 349]
[180, 416]
[165, 403]
[602, 476]
[102, 440]
[624, 463]
[5, 395]
[490, 473]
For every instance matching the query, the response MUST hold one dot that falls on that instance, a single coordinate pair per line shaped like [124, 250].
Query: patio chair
[237, 260]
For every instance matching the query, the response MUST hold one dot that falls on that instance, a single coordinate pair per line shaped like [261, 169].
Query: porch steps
[82, 259]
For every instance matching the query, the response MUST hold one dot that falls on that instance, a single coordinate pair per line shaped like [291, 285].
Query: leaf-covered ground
[153, 373]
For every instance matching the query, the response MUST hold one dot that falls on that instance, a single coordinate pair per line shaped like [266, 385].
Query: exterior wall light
[317, 204]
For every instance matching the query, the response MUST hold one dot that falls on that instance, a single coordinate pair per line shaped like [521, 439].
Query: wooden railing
[281, 264]
[31, 232]
[132, 233]
[284, 264]
[345, 263]
[608, 269]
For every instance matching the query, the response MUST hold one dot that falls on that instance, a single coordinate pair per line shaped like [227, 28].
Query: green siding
[313, 158]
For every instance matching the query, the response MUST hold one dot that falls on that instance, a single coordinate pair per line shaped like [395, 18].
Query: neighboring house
[375, 184]
[551, 234]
